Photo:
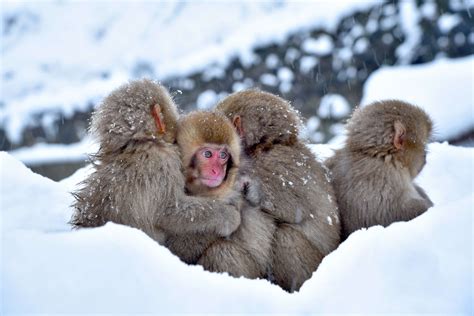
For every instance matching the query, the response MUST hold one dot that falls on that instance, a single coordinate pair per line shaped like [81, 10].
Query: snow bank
[56, 153]
[424, 265]
[444, 88]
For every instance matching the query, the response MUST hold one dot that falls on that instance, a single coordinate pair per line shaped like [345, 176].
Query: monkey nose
[214, 171]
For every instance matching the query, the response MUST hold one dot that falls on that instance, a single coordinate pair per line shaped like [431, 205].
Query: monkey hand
[250, 189]
[230, 221]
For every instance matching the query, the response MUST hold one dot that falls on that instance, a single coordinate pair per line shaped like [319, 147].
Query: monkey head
[137, 111]
[391, 128]
[261, 119]
[210, 149]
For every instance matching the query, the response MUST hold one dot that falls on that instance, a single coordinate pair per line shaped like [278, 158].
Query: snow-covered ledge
[422, 266]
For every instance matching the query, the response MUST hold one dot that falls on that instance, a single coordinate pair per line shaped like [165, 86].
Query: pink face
[212, 165]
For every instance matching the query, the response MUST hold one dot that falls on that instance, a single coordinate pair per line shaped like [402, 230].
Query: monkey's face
[211, 165]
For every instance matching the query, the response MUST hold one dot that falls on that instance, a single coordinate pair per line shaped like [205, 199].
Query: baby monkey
[210, 150]
[373, 174]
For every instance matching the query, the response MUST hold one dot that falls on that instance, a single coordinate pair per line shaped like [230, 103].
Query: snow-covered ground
[421, 266]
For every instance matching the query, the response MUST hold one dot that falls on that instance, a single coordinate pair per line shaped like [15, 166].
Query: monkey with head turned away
[211, 158]
[373, 173]
[137, 179]
[295, 190]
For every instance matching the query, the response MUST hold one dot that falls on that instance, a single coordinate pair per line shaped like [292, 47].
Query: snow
[285, 74]
[321, 46]
[73, 66]
[444, 88]
[272, 61]
[335, 106]
[446, 22]
[207, 99]
[55, 153]
[269, 79]
[308, 63]
[409, 17]
[361, 45]
[421, 266]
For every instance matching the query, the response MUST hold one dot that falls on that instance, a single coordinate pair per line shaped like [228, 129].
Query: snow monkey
[373, 174]
[138, 179]
[295, 190]
[213, 167]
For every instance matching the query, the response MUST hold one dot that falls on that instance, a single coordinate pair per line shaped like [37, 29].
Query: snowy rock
[447, 21]
[334, 105]
[321, 46]
[269, 79]
[207, 100]
[308, 63]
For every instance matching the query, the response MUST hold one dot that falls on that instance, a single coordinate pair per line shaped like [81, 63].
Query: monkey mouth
[211, 182]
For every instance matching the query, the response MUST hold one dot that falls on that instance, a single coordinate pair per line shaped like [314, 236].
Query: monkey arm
[423, 194]
[191, 214]
[414, 207]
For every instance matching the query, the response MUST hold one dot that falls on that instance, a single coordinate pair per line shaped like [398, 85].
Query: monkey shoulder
[295, 184]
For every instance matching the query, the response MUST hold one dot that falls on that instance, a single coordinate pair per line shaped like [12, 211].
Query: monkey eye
[223, 155]
[207, 153]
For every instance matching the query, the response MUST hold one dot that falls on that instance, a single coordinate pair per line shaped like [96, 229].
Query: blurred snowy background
[60, 58]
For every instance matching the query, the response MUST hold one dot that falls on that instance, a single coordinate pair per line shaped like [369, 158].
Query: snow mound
[444, 88]
[422, 266]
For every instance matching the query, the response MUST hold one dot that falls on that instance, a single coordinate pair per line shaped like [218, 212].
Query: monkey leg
[294, 258]
[228, 256]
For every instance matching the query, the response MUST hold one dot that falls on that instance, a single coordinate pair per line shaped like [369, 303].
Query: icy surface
[422, 266]
[444, 88]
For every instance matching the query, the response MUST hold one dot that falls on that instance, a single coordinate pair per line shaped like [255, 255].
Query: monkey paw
[230, 224]
[250, 189]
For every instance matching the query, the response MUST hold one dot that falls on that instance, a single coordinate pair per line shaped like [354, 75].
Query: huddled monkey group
[236, 190]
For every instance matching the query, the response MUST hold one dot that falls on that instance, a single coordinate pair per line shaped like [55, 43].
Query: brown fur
[266, 119]
[373, 179]
[138, 178]
[295, 190]
[199, 128]
[247, 252]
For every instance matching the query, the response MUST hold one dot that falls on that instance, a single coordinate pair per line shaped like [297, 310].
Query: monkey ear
[237, 121]
[400, 135]
[156, 113]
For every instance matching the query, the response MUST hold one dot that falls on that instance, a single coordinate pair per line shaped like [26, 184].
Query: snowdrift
[421, 266]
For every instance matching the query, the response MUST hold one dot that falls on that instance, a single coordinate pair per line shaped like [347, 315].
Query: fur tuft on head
[127, 115]
[266, 119]
[372, 129]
